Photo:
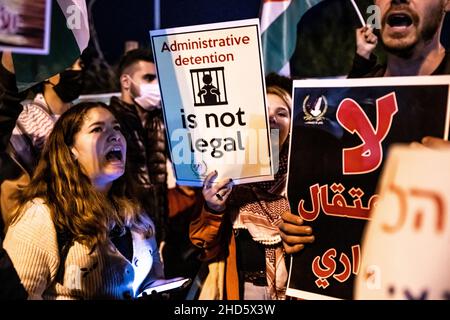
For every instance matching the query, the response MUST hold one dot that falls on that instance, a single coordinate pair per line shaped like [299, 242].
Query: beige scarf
[261, 219]
[260, 208]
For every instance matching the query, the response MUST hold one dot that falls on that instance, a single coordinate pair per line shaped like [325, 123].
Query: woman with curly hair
[78, 233]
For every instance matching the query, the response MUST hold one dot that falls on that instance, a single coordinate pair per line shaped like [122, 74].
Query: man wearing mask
[170, 206]
[32, 127]
[140, 116]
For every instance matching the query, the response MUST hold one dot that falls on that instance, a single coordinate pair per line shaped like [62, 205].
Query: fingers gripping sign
[294, 234]
[216, 193]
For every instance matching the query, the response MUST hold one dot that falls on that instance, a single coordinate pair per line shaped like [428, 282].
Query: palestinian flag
[279, 19]
[69, 37]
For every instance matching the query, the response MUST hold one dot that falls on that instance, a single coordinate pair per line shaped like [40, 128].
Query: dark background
[325, 44]
[117, 21]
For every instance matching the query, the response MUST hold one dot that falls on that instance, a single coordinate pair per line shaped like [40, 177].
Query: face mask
[150, 96]
[70, 85]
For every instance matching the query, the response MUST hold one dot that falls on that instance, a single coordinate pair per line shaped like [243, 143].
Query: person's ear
[74, 153]
[125, 82]
[447, 6]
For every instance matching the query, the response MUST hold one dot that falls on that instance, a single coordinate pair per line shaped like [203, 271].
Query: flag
[279, 19]
[69, 37]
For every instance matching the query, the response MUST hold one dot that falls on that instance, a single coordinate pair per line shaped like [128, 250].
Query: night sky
[117, 20]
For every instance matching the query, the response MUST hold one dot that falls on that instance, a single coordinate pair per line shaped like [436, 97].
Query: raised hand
[366, 41]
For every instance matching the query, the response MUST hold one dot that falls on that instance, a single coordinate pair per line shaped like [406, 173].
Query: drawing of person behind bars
[209, 92]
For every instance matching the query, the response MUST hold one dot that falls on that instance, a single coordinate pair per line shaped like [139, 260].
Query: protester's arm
[10, 106]
[32, 246]
[364, 60]
[180, 199]
[366, 42]
[204, 232]
[10, 288]
[294, 234]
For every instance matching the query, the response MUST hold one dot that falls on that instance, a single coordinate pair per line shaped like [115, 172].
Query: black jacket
[148, 156]
[10, 109]
[363, 68]
[11, 288]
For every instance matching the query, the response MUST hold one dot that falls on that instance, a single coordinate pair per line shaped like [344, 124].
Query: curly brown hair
[76, 207]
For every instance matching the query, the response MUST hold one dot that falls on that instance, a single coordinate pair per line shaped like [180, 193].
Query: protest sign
[213, 98]
[25, 26]
[341, 133]
[406, 254]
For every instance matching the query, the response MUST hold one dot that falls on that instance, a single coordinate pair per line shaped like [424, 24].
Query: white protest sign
[213, 97]
[406, 245]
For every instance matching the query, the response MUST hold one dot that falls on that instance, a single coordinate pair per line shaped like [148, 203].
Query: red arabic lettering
[338, 206]
[323, 273]
[330, 266]
[345, 274]
[310, 215]
[368, 156]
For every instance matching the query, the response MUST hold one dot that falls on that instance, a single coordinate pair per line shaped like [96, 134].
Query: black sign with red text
[341, 133]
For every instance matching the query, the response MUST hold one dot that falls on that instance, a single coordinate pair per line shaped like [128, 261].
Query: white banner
[213, 98]
[406, 245]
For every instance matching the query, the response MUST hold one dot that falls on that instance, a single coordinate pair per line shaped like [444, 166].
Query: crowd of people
[87, 211]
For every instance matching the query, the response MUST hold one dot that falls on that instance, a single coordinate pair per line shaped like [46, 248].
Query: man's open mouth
[399, 20]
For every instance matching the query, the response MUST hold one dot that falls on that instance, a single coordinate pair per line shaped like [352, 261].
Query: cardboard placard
[341, 134]
[213, 98]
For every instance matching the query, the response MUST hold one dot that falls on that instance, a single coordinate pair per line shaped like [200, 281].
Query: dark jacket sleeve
[205, 233]
[11, 288]
[10, 109]
[362, 66]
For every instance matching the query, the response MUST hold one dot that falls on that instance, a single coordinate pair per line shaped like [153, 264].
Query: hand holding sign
[294, 234]
[217, 194]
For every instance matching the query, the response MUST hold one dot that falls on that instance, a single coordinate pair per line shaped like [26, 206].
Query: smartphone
[166, 285]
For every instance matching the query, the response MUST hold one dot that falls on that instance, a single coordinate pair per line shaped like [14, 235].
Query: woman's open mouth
[115, 154]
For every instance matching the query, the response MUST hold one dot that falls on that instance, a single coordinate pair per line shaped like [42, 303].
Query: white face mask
[150, 96]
